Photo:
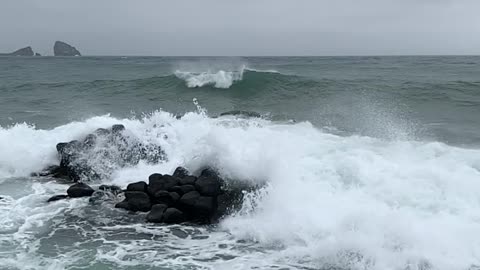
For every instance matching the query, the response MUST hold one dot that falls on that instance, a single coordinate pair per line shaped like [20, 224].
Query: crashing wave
[218, 79]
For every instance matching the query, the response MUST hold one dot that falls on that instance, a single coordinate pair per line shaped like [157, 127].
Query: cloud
[249, 27]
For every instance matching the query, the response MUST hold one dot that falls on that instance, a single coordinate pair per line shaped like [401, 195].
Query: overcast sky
[243, 27]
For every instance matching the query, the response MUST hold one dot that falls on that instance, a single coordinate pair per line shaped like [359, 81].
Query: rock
[110, 188]
[165, 197]
[180, 172]
[117, 128]
[138, 186]
[27, 51]
[80, 190]
[138, 201]
[63, 49]
[53, 171]
[157, 182]
[156, 214]
[173, 215]
[37, 54]
[90, 140]
[57, 198]
[209, 172]
[208, 185]
[188, 200]
[101, 196]
[102, 132]
[205, 205]
[188, 180]
[182, 189]
[123, 205]
[242, 114]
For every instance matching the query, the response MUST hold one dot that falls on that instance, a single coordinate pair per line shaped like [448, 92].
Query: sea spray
[344, 201]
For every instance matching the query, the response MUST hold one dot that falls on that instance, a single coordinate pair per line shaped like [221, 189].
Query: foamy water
[328, 201]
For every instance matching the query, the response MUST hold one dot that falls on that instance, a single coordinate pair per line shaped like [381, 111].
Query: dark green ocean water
[434, 97]
[368, 163]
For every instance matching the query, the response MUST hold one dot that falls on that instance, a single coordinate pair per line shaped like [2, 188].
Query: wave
[218, 79]
[350, 202]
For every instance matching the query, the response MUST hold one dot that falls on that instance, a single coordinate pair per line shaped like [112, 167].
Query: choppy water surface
[365, 162]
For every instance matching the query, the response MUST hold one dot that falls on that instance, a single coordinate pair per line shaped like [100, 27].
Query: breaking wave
[348, 202]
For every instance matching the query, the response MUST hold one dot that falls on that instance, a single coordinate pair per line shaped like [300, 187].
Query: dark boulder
[138, 201]
[157, 182]
[156, 214]
[182, 189]
[180, 172]
[138, 186]
[209, 172]
[205, 205]
[37, 54]
[57, 198]
[173, 215]
[208, 185]
[122, 205]
[188, 200]
[188, 180]
[165, 197]
[53, 171]
[63, 49]
[80, 190]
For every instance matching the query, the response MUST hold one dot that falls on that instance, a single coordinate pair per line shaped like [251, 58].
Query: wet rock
[138, 201]
[188, 200]
[182, 189]
[180, 172]
[57, 198]
[188, 180]
[204, 205]
[117, 128]
[102, 132]
[173, 216]
[101, 196]
[90, 140]
[123, 205]
[110, 188]
[242, 114]
[80, 190]
[63, 49]
[54, 171]
[157, 182]
[138, 186]
[156, 214]
[209, 172]
[208, 185]
[165, 197]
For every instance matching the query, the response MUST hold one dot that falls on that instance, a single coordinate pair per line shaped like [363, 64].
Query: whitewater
[326, 202]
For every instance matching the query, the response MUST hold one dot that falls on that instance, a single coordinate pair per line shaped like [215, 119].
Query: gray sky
[243, 27]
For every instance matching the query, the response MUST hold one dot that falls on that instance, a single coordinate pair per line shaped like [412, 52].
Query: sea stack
[63, 49]
[27, 51]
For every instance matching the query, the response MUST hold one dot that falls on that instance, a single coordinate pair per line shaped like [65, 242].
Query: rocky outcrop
[98, 154]
[168, 199]
[63, 49]
[27, 51]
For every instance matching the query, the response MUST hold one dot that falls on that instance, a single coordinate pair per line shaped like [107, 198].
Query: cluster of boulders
[170, 199]
[99, 153]
[176, 198]
[181, 197]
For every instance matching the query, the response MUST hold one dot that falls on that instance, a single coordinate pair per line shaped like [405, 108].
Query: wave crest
[218, 79]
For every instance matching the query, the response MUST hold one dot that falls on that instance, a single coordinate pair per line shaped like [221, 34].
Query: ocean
[361, 162]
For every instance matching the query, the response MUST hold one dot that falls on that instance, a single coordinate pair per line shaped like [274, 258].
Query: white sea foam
[353, 202]
[217, 78]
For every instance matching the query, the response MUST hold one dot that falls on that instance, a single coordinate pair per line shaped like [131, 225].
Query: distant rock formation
[37, 54]
[63, 49]
[27, 51]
